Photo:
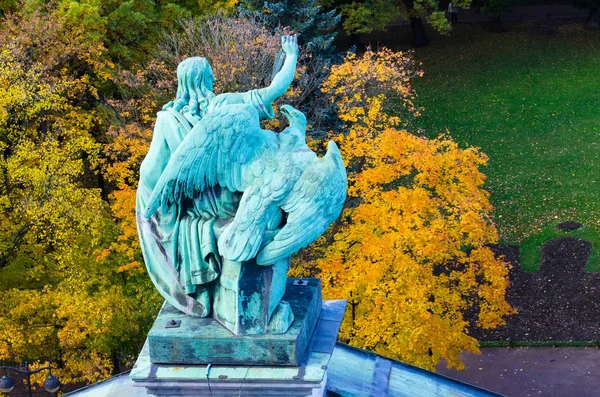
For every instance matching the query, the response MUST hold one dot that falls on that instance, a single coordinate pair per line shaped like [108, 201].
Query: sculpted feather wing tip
[336, 180]
[315, 202]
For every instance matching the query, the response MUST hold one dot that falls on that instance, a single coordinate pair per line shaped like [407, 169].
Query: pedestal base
[248, 297]
[176, 338]
[254, 390]
[309, 378]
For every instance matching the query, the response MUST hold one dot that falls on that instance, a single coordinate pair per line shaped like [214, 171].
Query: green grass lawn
[531, 102]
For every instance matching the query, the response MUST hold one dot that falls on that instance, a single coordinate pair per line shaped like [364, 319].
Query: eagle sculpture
[289, 196]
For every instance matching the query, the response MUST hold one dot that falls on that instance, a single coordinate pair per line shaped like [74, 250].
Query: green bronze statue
[222, 204]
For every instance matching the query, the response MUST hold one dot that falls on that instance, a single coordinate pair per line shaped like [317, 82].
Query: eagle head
[293, 138]
[296, 118]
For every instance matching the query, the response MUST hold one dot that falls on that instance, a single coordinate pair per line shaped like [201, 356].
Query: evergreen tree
[304, 17]
[374, 15]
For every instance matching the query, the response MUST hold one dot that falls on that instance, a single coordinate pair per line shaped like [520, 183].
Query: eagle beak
[287, 111]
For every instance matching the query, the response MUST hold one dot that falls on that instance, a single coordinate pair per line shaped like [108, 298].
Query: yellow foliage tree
[131, 121]
[60, 304]
[411, 250]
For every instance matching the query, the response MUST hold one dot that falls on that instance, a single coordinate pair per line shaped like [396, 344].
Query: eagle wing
[315, 201]
[217, 151]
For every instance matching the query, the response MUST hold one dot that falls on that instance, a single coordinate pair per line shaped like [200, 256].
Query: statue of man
[179, 243]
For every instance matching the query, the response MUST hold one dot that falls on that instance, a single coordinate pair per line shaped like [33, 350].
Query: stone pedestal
[176, 338]
[307, 378]
[248, 296]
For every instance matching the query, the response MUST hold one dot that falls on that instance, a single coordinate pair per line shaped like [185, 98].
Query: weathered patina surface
[196, 340]
[222, 204]
[308, 378]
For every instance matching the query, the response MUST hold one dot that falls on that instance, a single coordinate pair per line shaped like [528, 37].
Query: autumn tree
[47, 129]
[411, 250]
[62, 301]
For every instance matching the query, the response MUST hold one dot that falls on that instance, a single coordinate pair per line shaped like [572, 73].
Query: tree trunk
[418, 30]
[104, 193]
[593, 21]
[115, 362]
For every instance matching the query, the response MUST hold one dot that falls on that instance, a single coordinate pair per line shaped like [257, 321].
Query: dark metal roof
[357, 372]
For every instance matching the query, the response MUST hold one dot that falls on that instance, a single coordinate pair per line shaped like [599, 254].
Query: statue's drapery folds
[182, 237]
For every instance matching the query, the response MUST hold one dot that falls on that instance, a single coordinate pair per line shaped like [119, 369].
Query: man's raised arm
[284, 78]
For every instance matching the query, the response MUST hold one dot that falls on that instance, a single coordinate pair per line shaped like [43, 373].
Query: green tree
[304, 17]
[373, 15]
[128, 29]
[496, 9]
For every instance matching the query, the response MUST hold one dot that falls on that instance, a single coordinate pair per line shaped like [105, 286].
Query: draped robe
[179, 244]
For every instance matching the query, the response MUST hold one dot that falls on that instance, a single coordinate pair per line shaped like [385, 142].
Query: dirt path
[533, 371]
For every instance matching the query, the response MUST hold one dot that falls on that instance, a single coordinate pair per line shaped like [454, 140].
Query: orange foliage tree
[411, 249]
